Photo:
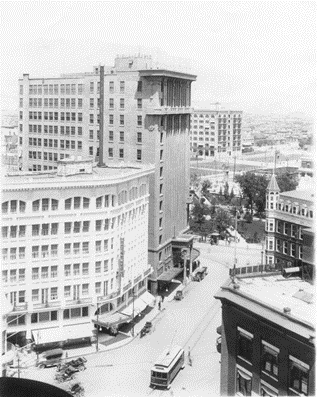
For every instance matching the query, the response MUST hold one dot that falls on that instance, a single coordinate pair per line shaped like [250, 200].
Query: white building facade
[216, 133]
[73, 240]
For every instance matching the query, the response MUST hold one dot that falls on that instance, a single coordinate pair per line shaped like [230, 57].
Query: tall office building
[146, 118]
[216, 132]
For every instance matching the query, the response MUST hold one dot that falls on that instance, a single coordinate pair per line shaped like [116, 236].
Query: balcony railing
[162, 110]
[78, 301]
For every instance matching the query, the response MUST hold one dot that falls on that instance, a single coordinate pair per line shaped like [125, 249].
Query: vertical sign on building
[121, 260]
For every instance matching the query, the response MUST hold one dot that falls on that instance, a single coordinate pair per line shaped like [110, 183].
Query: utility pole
[97, 340]
[133, 312]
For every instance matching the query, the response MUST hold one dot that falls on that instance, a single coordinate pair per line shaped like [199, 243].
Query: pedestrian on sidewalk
[162, 298]
[159, 305]
[190, 361]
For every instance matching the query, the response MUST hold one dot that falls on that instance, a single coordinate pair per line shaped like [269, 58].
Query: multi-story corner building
[73, 241]
[287, 214]
[146, 118]
[267, 336]
[216, 132]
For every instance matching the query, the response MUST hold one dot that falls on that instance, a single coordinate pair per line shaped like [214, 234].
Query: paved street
[191, 322]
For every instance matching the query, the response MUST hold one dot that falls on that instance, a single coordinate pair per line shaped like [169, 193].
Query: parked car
[50, 358]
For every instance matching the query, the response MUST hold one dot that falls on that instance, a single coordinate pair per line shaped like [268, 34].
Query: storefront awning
[169, 274]
[52, 335]
[108, 321]
[49, 335]
[148, 298]
[134, 308]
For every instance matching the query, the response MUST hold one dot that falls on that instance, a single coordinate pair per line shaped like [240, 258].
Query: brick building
[287, 215]
[267, 336]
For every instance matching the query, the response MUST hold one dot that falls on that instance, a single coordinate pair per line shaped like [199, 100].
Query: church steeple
[273, 186]
[272, 193]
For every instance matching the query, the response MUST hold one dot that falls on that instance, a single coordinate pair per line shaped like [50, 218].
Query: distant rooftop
[281, 300]
[308, 194]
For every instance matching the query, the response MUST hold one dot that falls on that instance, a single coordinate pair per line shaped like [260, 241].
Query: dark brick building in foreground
[268, 336]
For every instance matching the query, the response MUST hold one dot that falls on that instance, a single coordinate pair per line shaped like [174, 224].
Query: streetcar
[167, 367]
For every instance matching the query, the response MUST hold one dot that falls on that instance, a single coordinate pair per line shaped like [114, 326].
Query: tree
[194, 180]
[226, 191]
[231, 194]
[287, 182]
[253, 187]
[205, 186]
[223, 219]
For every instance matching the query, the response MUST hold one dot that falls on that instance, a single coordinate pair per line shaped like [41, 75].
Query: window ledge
[269, 375]
[246, 361]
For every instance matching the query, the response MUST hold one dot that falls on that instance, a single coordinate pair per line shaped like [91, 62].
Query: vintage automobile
[179, 295]
[50, 358]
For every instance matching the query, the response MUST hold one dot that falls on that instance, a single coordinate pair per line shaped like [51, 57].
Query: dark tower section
[101, 115]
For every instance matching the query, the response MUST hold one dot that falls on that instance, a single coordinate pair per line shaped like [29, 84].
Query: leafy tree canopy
[287, 182]
[253, 187]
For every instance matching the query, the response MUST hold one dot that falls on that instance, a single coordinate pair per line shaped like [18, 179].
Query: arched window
[36, 205]
[99, 202]
[54, 205]
[68, 204]
[5, 207]
[86, 201]
[22, 206]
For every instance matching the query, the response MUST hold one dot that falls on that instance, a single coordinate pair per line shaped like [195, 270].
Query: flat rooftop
[111, 173]
[269, 296]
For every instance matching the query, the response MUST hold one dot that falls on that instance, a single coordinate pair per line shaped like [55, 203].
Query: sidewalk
[123, 338]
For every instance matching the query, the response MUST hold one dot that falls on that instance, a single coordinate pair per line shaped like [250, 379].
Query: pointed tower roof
[273, 186]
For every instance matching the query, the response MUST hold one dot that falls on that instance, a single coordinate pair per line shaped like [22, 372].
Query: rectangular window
[110, 152]
[245, 345]
[121, 119]
[85, 269]
[85, 289]
[111, 86]
[122, 87]
[121, 153]
[76, 269]
[80, 89]
[285, 247]
[92, 87]
[298, 376]
[67, 291]
[86, 226]
[269, 359]
[91, 119]
[139, 154]
[293, 230]
[139, 121]
[121, 103]
[98, 267]
[139, 103]
[244, 382]
[35, 295]
[285, 228]
[67, 270]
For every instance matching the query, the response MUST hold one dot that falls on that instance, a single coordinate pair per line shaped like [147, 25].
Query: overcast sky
[258, 57]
